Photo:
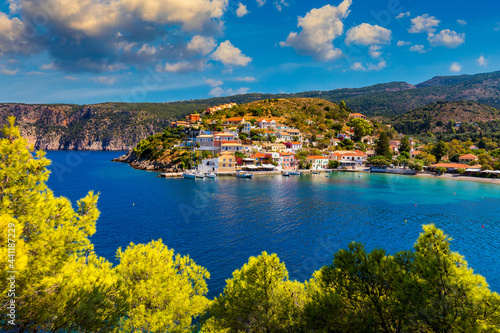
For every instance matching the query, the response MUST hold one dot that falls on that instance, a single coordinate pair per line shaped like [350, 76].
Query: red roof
[468, 157]
[450, 165]
[316, 158]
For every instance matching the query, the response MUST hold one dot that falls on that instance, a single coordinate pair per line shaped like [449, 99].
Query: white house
[266, 123]
[317, 162]
[246, 127]
[283, 136]
[209, 165]
[356, 156]
[232, 147]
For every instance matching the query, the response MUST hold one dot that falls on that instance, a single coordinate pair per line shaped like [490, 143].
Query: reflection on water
[304, 219]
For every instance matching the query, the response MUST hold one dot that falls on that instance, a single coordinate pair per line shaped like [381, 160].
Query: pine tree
[383, 147]
[405, 145]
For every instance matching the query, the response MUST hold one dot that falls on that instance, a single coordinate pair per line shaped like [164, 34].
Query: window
[224, 165]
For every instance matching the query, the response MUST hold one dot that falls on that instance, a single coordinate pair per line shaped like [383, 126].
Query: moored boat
[294, 173]
[286, 174]
[211, 175]
[199, 175]
[243, 174]
[189, 175]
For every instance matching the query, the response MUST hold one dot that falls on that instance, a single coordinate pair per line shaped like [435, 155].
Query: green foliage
[333, 164]
[429, 289]
[440, 150]
[164, 291]
[405, 145]
[361, 128]
[379, 160]
[441, 170]
[383, 147]
[259, 298]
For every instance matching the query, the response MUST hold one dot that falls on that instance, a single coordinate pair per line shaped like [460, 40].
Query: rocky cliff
[87, 127]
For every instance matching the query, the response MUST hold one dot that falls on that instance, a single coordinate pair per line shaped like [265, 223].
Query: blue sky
[91, 51]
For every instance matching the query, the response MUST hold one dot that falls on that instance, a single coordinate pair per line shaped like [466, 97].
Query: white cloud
[423, 23]
[71, 78]
[357, 66]
[377, 67]
[148, 50]
[448, 38]
[11, 36]
[219, 91]
[35, 73]
[461, 22]
[455, 67]
[482, 61]
[245, 79]
[48, 66]
[242, 10]
[230, 55]
[261, 3]
[401, 15]
[418, 48]
[7, 71]
[200, 44]
[403, 43]
[374, 51]
[108, 80]
[279, 4]
[191, 14]
[367, 34]
[183, 66]
[214, 83]
[320, 27]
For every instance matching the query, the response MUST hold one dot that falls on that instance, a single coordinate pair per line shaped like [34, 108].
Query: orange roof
[356, 114]
[224, 134]
[450, 165]
[284, 133]
[231, 144]
[354, 154]
[286, 154]
[416, 152]
[295, 143]
[468, 157]
[238, 119]
[316, 157]
[258, 155]
[264, 119]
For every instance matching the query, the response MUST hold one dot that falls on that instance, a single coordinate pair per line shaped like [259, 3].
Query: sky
[93, 51]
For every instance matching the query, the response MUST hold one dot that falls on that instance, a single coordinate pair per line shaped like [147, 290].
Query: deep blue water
[304, 219]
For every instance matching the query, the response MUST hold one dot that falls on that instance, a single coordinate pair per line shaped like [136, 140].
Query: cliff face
[88, 127]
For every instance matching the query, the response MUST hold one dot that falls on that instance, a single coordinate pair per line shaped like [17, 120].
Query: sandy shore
[457, 177]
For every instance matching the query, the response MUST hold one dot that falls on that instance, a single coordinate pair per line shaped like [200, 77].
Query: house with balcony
[266, 123]
[289, 161]
[231, 147]
[317, 162]
[227, 162]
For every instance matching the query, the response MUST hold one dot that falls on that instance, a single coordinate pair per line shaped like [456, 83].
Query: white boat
[189, 175]
[294, 173]
[211, 175]
[286, 174]
[199, 175]
[243, 174]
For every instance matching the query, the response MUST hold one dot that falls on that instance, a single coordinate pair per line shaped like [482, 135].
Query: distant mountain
[449, 118]
[393, 98]
[114, 126]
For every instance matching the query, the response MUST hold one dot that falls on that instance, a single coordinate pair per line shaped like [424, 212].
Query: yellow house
[227, 162]
[276, 147]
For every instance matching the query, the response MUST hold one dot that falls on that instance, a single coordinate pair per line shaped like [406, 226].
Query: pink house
[289, 161]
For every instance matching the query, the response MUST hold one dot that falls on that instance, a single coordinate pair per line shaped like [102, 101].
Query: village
[283, 149]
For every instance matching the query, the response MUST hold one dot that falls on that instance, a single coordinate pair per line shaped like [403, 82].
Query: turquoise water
[304, 219]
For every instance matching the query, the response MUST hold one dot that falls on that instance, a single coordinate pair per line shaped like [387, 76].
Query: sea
[304, 219]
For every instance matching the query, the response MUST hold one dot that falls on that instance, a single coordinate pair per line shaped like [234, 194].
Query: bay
[304, 219]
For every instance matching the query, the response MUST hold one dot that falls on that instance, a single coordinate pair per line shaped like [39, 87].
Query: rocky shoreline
[144, 164]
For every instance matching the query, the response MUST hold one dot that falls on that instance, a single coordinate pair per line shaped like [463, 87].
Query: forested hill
[394, 98]
[449, 118]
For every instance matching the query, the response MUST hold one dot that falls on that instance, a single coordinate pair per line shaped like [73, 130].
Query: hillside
[108, 126]
[450, 118]
[309, 115]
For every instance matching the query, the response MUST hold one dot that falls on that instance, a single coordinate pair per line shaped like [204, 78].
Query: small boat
[210, 175]
[199, 175]
[243, 174]
[286, 174]
[189, 175]
[294, 173]
[315, 173]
